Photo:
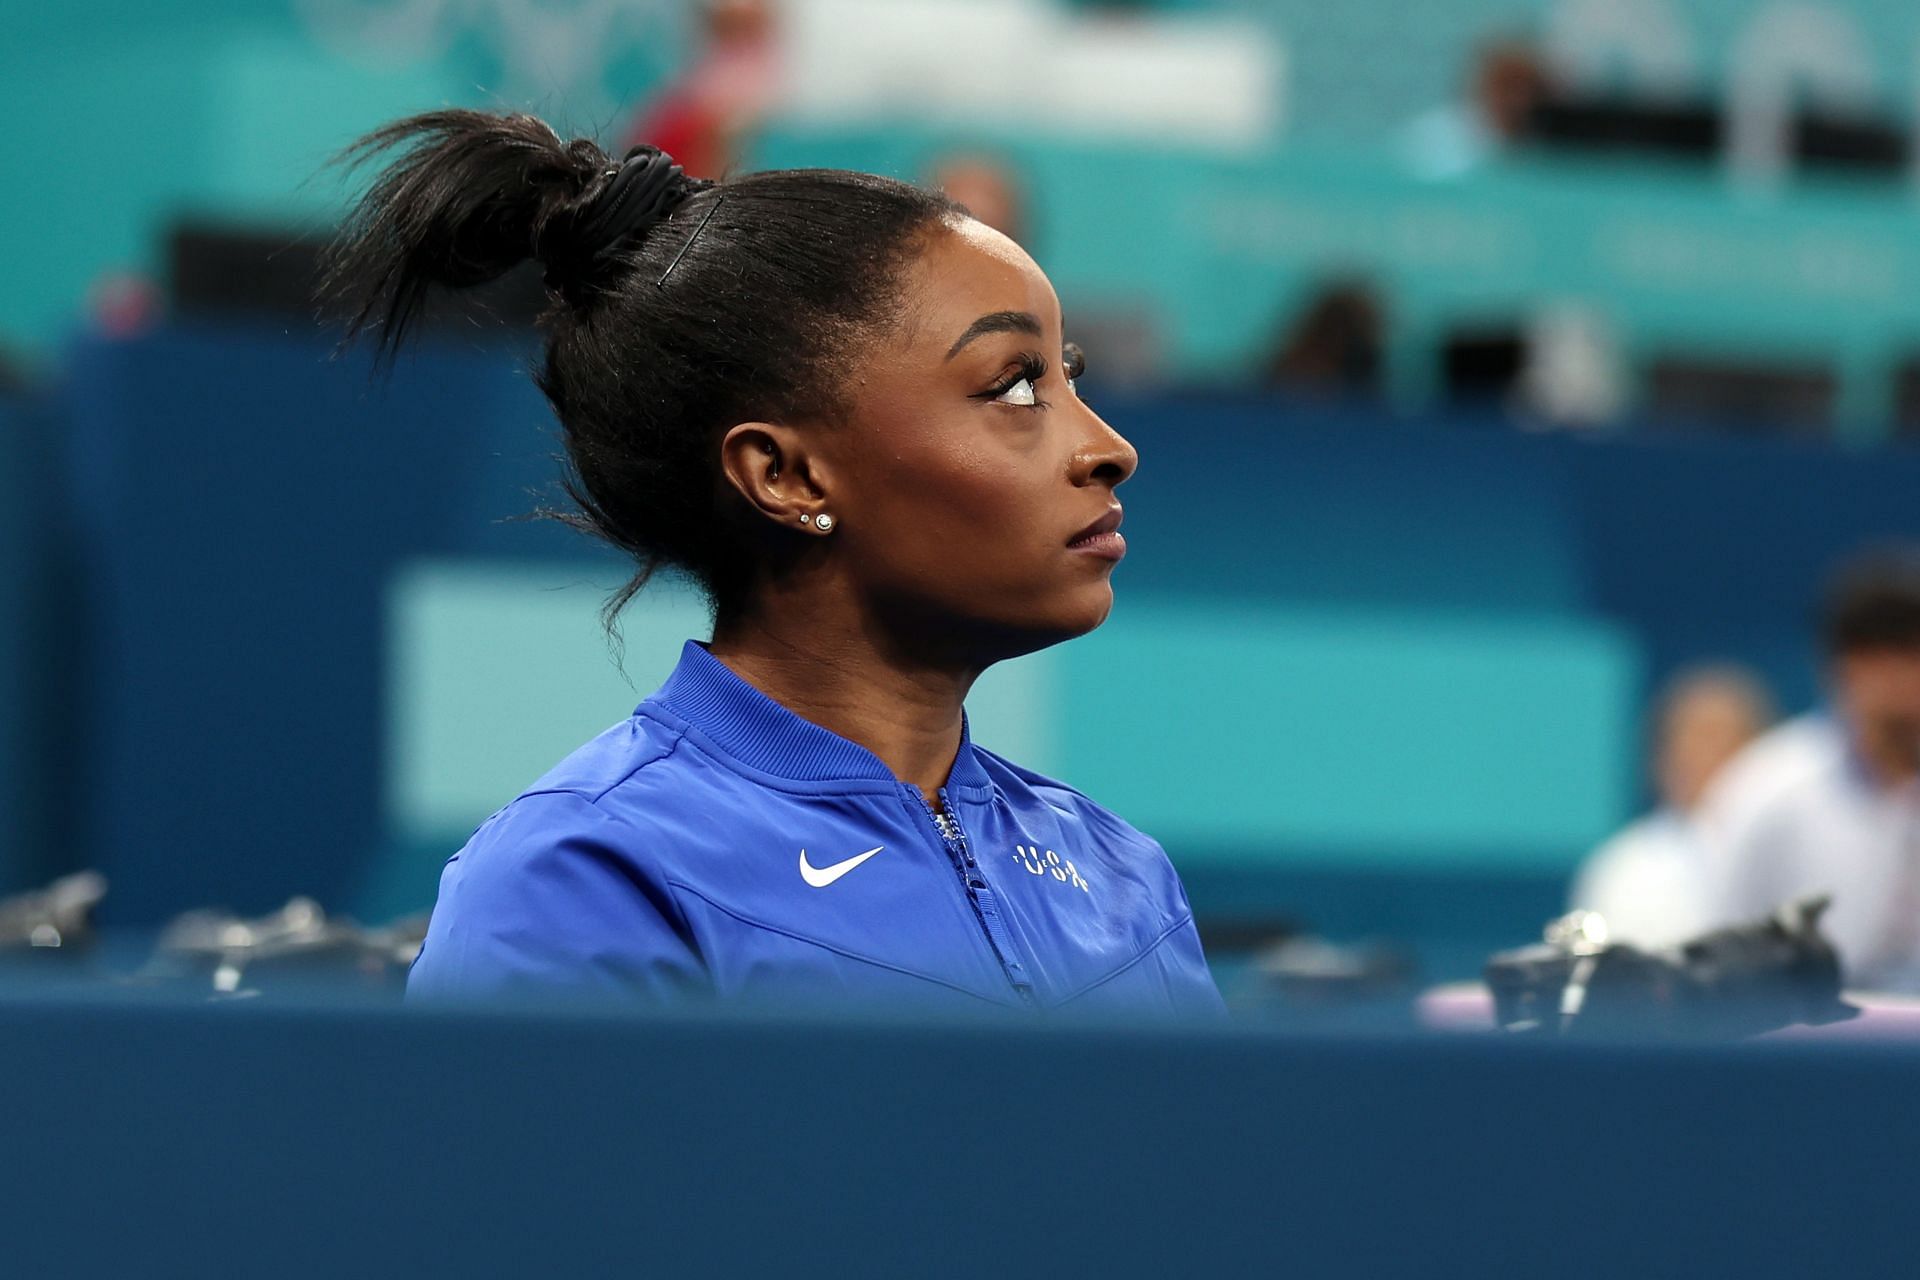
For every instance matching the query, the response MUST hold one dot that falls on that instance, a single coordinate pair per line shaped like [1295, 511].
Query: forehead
[968, 270]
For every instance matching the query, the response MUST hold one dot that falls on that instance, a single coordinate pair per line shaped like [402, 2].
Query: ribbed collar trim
[754, 730]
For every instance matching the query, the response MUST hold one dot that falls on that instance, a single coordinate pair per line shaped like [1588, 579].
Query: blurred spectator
[124, 304]
[703, 119]
[1573, 373]
[1648, 881]
[1334, 344]
[1830, 802]
[1560, 366]
[990, 189]
[1509, 82]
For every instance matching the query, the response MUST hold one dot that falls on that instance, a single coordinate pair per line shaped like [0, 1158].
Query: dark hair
[737, 305]
[1874, 603]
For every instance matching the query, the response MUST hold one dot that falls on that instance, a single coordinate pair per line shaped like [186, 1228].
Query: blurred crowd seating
[1591, 259]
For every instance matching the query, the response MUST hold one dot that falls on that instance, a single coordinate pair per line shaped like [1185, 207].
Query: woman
[846, 409]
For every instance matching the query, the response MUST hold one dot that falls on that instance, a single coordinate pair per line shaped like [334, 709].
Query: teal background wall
[1255, 730]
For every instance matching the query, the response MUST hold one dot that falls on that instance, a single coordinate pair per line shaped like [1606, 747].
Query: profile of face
[1703, 725]
[1879, 691]
[972, 489]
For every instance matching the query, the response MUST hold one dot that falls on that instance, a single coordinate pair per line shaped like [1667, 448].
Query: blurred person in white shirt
[1648, 880]
[1830, 802]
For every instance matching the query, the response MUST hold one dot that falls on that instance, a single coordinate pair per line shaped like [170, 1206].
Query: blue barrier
[243, 499]
[169, 1141]
[37, 657]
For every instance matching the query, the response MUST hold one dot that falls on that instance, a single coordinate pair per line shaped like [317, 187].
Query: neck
[850, 680]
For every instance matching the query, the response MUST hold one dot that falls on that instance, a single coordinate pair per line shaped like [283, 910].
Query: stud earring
[823, 522]
[805, 518]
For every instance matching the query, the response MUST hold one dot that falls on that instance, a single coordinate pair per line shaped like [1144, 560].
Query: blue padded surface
[173, 1141]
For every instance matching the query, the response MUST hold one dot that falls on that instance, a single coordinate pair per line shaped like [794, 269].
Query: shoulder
[1775, 804]
[1656, 837]
[597, 804]
[544, 845]
[1657, 847]
[1056, 817]
[1024, 788]
[1133, 924]
[1778, 773]
[646, 772]
[553, 893]
[612, 759]
[566, 888]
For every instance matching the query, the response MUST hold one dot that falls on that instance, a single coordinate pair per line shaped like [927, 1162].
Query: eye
[1020, 393]
[1073, 363]
[1020, 385]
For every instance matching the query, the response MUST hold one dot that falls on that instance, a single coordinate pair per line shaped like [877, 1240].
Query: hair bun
[645, 188]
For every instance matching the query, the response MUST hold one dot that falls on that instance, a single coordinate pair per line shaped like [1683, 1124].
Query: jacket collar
[754, 730]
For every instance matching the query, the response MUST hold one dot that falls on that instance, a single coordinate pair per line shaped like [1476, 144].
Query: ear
[771, 467]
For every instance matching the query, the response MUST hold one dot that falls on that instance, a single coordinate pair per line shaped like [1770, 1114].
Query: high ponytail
[466, 200]
[682, 307]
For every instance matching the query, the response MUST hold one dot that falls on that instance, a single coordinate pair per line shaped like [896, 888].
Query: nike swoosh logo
[821, 877]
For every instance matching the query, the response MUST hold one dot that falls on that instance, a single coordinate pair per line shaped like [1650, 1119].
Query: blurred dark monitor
[1680, 127]
[1744, 397]
[1481, 364]
[1854, 144]
[227, 269]
[1820, 140]
[224, 268]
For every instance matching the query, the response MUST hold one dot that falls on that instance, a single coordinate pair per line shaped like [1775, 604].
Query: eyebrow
[997, 322]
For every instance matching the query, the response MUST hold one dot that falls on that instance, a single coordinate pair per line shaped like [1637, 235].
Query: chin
[1072, 614]
[1048, 618]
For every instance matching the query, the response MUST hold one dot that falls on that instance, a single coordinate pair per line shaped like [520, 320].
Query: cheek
[966, 497]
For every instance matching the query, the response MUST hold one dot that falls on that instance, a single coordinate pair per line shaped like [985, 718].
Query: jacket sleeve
[550, 898]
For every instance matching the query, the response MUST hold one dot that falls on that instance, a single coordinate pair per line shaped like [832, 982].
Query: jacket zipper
[986, 906]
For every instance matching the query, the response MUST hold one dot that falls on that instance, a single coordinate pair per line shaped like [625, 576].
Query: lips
[1101, 538]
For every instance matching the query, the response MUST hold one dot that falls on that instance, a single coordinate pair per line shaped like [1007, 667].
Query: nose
[1104, 456]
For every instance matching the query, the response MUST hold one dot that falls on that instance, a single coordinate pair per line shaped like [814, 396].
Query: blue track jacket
[717, 844]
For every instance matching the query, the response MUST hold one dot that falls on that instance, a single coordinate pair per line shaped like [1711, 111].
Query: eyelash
[1032, 368]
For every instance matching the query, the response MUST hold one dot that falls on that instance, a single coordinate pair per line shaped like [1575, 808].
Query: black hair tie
[646, 187]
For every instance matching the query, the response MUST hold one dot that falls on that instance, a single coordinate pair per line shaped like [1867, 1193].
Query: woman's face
[973, 489]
